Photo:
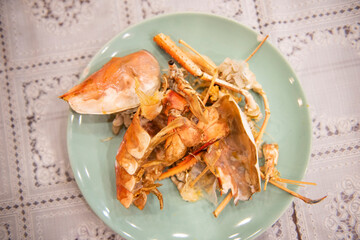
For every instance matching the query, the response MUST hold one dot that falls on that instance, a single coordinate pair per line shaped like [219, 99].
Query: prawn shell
[126, 160]
[126, 180]
[136, 138]
[140, 201]
[122, 194]
[112, 88]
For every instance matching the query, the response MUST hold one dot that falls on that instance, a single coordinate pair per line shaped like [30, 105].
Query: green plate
[93, 160]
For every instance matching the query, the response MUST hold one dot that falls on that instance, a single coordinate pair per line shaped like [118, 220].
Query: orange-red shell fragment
[112, 88]
[123, 195]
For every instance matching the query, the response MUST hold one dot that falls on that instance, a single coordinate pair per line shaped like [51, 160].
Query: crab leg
[256, 49]
[293, 181]
[223, 204]
[174, 51]
[211, 85]
[188, 162]
[210, 65]
[266, 119]
[159, 196]
[199, 176]
[305, 199]
[263, 95]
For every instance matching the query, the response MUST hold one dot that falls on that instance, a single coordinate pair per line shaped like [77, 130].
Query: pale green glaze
[93, 161]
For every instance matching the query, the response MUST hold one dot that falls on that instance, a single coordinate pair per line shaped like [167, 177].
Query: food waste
[186, 125]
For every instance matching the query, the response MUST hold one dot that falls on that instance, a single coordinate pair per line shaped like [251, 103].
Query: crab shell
[112, 88]
[234, 159]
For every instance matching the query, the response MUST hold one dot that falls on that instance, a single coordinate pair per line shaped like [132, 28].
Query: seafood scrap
[185, 61]
[237, 77]
[112, 88]
[269, 173]
[135, 177]
[271, 155]
[231, 154]
[233, 159]
[189, 125]
[202, 145]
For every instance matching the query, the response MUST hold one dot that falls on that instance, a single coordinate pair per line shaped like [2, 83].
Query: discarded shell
[112, 88]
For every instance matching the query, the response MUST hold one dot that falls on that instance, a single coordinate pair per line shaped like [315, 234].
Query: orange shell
[112, 88]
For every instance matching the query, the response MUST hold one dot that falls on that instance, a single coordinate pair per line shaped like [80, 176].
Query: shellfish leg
[266, 118]
[206, 169]
[295, 194]
[159, 196]
[189, 161]
[271, 155]
[223, 204]
[174, 51]
[264, 97]
[283, 180]
[256, 49]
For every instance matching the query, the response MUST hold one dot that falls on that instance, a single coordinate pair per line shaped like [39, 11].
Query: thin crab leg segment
[159, 196]
[199, 176]
[211, 86]
[188, 162]
[263, 95]
[223, 204]
[293, 181]
[256, 49]
[266, 119]
[203, 62]
[305, 199]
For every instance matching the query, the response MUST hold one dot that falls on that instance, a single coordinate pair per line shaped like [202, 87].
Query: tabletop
[46, 44]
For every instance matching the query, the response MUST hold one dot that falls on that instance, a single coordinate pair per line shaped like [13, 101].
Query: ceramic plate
[93, 160]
